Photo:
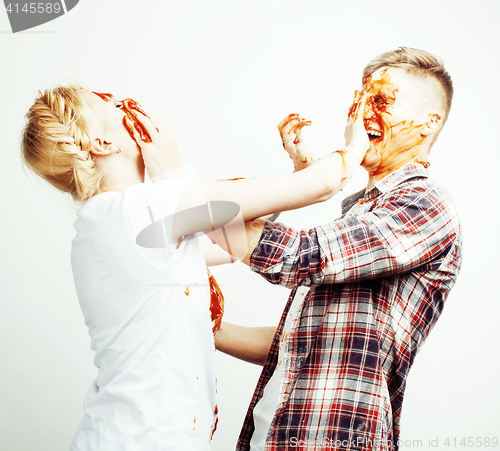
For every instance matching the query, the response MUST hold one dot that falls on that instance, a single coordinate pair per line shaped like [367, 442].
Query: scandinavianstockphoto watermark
[24, 15]
[428, 442]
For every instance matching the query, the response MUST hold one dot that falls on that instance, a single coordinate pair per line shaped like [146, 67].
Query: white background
[222, 74]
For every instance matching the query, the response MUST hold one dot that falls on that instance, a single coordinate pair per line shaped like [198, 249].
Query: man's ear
[433, 124]
[101, 148]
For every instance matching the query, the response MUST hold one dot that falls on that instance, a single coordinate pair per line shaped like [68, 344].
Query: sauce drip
[425, 164]
[216, 411]
[216, 301]
[342, 153]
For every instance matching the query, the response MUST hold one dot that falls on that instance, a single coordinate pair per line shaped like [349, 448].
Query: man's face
[393, 120]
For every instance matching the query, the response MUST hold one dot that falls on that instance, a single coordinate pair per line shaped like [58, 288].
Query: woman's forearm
[250, 344]
[263, 196]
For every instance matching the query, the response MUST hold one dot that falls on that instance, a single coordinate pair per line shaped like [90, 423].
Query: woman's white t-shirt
[147, 312]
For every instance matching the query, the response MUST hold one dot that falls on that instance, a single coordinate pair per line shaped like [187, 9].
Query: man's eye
[379, 100]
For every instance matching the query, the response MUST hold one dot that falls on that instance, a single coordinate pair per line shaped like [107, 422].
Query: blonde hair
[421, 64]
[57, 140]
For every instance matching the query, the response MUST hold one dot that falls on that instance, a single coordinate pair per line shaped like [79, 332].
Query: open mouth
[373, 135]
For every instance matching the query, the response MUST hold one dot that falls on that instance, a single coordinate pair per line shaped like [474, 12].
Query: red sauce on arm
[342, 153]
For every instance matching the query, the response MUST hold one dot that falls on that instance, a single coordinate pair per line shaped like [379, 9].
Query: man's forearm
[250, 344]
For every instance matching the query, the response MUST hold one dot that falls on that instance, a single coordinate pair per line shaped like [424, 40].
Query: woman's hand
[161, 155]
[355, 133]
[290, 129]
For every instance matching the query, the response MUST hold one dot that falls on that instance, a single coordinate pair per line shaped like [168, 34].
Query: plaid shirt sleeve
[401, 230]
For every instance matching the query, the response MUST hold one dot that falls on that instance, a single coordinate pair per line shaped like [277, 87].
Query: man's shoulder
[418, 189]
[421, 197]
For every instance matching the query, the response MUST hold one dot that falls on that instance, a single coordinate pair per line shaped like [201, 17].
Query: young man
[366, 288]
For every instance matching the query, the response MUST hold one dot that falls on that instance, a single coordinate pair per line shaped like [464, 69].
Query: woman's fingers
[362, 97]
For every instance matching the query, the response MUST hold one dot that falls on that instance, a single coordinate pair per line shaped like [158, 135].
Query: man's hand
[161, 155]
[355, 133]
[290, 129]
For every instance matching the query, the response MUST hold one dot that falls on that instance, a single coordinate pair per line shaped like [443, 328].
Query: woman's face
[120, 121]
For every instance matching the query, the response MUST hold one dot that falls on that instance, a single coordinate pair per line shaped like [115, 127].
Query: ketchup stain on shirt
[216, 301]
[214, 428]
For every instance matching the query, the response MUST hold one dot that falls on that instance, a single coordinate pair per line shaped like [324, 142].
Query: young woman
[147, 304]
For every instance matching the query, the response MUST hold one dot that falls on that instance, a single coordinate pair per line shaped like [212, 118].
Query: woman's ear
[433, 124]
[102, 148]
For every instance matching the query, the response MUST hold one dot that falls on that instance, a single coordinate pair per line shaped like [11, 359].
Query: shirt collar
[395, 178]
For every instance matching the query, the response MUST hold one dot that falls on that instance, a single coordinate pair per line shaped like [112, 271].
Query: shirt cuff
[258, 249]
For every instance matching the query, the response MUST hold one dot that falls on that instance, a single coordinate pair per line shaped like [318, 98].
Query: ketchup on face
[381, 95]
[105, 97]
[131, 120]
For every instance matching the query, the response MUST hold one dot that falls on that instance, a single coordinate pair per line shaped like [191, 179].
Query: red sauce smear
[230, 180]
[289, 119]
[342, 153]
[297, 128]
[131, 120]
[216, 301]
[105, 97]
[425, 164]
[303, 123]
[216, 411]
[131, 108]
[381, 95]
[186, 291]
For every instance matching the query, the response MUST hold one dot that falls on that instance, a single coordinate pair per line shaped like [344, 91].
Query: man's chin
[370, 153]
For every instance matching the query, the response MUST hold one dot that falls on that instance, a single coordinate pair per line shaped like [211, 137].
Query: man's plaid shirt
[379, 277]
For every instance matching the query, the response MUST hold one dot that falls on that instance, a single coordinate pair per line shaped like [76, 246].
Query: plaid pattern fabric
[379, 277]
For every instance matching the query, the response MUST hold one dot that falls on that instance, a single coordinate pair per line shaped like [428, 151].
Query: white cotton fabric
[147, 312]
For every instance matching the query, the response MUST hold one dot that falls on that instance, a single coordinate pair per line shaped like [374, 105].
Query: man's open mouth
[374, 134]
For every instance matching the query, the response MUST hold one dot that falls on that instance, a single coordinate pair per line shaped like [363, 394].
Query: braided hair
[57, 140]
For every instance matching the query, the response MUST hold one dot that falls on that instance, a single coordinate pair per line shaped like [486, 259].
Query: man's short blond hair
[422, 65]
